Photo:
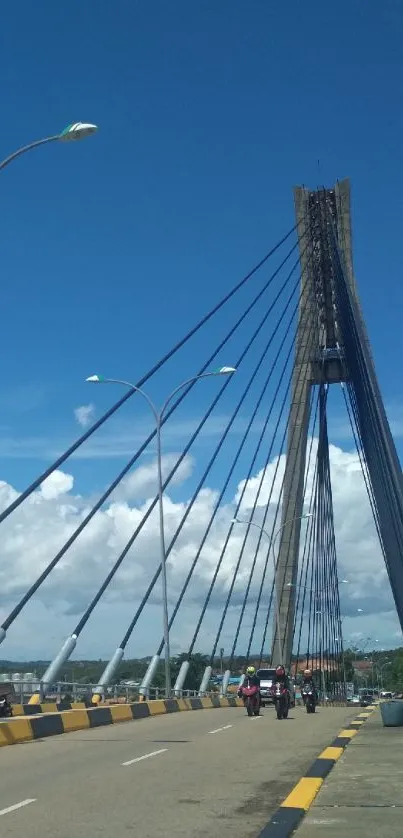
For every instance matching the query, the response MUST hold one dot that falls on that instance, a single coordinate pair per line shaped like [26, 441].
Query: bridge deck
[221, 773]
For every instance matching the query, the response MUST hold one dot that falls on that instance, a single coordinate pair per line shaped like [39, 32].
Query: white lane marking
[255, 718]
[219, 729]
[17, 806]
[145, 756]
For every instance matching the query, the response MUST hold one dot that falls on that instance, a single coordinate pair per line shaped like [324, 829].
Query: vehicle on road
[6, 710]
[251, 699]
[309, 699]
[267, 678]
[281, 699]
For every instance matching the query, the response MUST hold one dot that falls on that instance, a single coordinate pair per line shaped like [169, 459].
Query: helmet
[307, 673]
[280, 671]
[250, 670]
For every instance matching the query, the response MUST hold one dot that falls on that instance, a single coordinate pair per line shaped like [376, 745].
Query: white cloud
[38, 529]
[58, 483]
[84, 414]
[142, 481]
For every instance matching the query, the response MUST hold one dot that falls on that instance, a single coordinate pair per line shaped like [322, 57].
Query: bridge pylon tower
[322, 216]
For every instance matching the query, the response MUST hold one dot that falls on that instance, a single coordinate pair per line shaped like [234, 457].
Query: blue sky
[209, 113]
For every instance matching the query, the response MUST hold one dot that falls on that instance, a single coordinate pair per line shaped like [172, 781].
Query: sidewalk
[363, 794]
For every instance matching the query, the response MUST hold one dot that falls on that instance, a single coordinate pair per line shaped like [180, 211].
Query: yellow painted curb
[75, 720]
[18, 710]
[303, 794]
[16, 731]
[53, 722]
[347, 734]
[157, 707]
[331, 753]
[121, 713]
[288, 817]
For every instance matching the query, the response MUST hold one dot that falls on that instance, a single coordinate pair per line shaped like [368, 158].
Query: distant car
[267, 676]
[366, 700]
[355, 699]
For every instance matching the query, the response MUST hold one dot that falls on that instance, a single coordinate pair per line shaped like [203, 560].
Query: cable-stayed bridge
[276, 347]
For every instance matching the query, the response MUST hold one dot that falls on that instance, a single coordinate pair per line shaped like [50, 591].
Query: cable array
[272, 323]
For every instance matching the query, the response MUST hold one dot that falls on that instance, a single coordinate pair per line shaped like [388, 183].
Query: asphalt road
[195, 774]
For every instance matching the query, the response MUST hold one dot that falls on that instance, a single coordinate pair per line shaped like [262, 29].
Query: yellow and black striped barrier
[291, 812]
[41, 720]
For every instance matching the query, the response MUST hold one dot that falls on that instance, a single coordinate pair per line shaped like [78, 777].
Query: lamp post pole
[75, 131]
[277, 599]
[158, 416]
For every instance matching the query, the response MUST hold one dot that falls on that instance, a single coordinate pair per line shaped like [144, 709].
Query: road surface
[195, 774]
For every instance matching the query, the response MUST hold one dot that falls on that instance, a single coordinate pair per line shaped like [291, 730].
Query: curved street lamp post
[277, 598]
[158, 416]
[74, 131]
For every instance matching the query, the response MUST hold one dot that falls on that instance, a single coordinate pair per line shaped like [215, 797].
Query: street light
[74, 131]
[340, 618]
[380, 668]
[259, 527]
[158, 416]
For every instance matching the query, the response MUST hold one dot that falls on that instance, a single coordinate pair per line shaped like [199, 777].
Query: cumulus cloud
[33, 534]
[84, 414]
[142, 482]
[58, 483]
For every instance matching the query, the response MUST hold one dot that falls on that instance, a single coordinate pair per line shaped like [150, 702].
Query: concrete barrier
[41, 722]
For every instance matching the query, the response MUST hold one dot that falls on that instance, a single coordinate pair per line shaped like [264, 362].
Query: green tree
[198, 663]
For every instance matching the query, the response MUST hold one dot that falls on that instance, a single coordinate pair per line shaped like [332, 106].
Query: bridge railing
[77, 691]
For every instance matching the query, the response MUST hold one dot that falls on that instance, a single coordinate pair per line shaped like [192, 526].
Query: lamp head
[225, 371]
[77, 131]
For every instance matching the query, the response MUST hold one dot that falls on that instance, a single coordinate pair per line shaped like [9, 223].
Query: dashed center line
[17, 806]
[255, 718]
[140, 759]
[219, 729]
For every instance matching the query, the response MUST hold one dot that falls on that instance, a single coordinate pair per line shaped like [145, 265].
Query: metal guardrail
[77, 691]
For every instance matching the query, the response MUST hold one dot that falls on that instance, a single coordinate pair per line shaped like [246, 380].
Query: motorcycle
[281, 700]
[251, 698]
[308, 698]
[6, 710]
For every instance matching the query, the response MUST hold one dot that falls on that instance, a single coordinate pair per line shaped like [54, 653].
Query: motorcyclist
[251, 679]
[5, 706]
[307, 679]
[282, 678]
[308, 683]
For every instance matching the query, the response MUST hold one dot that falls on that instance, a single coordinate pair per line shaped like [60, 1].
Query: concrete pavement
[363, 795]
[191, 774]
